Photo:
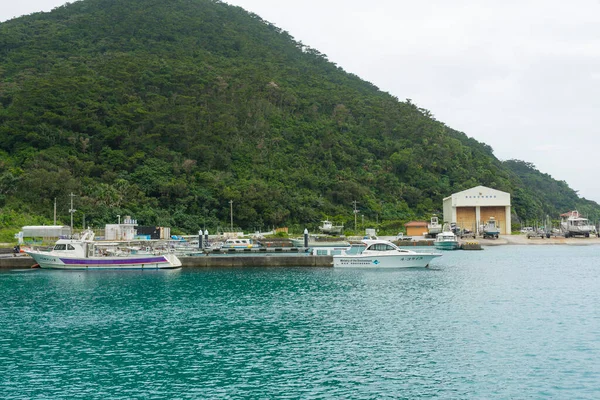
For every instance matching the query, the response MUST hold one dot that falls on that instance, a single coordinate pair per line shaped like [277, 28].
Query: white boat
[491, 229]
[320, 241]
[384, 254]
[85, 253]
[330, 250]
[573, 224]
[434, 227]
[446, 240]
[240, 244]
[329, 228]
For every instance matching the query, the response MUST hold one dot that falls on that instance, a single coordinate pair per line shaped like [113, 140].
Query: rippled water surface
[506, 322]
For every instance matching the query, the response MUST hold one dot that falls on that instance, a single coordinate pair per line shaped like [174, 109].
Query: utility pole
[231, 213]
[355, 212]
[72, 211]
[55, 211]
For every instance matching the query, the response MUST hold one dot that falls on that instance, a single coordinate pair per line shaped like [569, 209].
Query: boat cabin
[239, 244]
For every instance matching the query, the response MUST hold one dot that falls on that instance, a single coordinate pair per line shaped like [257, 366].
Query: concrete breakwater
[213, 261]
[257, 261]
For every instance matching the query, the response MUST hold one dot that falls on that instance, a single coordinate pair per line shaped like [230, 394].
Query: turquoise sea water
[508, 322]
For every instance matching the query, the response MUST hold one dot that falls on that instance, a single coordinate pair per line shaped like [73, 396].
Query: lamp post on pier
[231, 213]
[72, 211]
[355, 212]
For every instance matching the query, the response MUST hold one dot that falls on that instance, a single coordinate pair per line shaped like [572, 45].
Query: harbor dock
[207, 261]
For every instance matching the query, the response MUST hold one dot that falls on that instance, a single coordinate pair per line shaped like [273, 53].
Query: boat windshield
[63, 247]
[382, 247]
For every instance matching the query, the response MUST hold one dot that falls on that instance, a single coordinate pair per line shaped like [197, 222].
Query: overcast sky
[522, 76]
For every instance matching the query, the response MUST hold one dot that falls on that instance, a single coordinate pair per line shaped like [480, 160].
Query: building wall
[466, 218]
[416, 230]
[474, 206]
[499, 214]
[46, 231]
[480, 196]
[448, 216]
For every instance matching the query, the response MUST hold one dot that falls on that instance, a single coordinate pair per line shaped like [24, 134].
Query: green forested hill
[167, 110]
[546, 196]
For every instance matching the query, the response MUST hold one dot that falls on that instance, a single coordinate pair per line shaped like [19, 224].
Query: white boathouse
[473, 207]
[122, 231]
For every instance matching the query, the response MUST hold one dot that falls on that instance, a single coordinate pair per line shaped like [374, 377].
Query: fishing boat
[85, 253]
[320, 241]
[329, 228]
[240, 244]
[446, 240]
[384, 254]
[491, 229]
[573, 224]
[434, 227]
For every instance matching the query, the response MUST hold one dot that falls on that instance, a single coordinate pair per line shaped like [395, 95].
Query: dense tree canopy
[167, 110]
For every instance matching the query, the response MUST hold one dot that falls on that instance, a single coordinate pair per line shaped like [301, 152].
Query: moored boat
[384, 254]
[446, 240]
[240, 244]
[329, 228]
[317, 241]
[85, 253]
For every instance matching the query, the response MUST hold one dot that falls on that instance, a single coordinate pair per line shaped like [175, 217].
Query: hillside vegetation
[167, 110]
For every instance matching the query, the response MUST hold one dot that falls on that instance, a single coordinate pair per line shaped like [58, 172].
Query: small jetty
[411, 243]
[222, 259]
[471, 246]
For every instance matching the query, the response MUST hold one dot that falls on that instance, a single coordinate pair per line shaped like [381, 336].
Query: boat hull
[52, 261]
[446, 245]
[384, 261]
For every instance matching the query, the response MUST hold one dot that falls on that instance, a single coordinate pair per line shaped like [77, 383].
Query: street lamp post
[355, 212]
[231, 213]
[72, 211]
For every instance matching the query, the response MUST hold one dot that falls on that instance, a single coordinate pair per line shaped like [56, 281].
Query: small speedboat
[446, 240]
[384, 254]
[240, 244]
[329, 228]
[85, 253]
[491, 229]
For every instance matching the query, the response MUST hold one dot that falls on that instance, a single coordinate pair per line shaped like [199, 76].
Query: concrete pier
[212, 261]
[257, 261]
[471, 246]
[11, 262]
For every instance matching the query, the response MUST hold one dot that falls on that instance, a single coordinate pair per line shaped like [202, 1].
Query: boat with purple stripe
[85, 253]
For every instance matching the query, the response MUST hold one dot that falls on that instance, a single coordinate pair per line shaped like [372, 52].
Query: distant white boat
[434, 227]
[329, 228]
[85, 253]
[491, 229]
[446, 240]
[384, 254]
[317, 241]
[573, 224]
[240, 244]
